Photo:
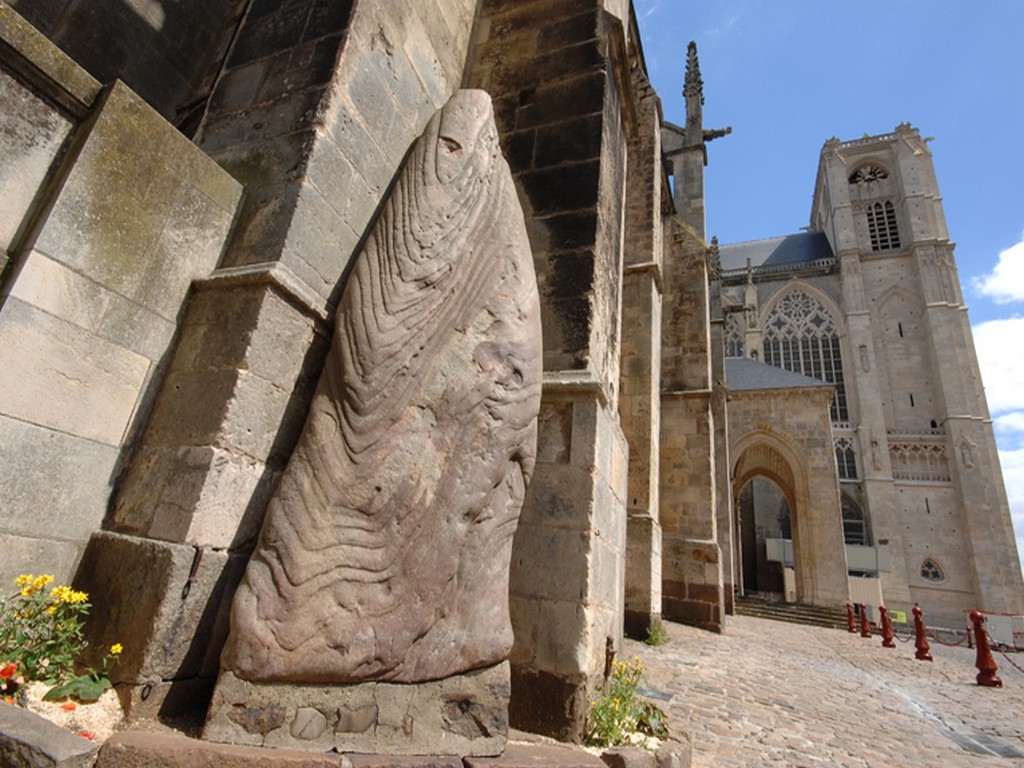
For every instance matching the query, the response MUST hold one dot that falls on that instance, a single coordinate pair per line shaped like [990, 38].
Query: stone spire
[693, 92]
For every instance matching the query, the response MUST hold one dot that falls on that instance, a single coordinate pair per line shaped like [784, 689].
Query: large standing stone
[385, 552]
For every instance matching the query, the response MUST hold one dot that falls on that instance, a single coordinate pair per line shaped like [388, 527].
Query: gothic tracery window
[882, 227]
[801, 336]
[930, 571]
[846, 460]
[734, 346]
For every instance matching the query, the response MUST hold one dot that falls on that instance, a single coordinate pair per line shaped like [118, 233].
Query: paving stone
[770, 693]
[536, 755]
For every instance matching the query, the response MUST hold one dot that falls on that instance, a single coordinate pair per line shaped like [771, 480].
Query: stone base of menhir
[461, 715]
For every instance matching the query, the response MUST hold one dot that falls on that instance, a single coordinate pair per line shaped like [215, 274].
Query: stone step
[794, 613]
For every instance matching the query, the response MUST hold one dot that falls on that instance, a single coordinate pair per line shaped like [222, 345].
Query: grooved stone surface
[386, 548]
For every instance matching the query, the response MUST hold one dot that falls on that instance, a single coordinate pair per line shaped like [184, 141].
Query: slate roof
[744, 374]
[806, 246]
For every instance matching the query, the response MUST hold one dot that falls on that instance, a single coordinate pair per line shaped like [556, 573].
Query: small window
[867, 173]
[882, 227]
[930, 571]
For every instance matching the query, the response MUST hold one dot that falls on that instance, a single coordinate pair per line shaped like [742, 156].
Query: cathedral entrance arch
[769, 499]
[765, 526]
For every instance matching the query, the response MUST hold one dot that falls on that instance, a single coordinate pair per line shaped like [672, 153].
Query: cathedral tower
[926, 463]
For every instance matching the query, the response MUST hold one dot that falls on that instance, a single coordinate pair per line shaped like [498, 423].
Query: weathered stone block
[549, 703]
[676, 752]
[551, 635]
[41, 554]
[131, 749]
[57, 375]
[537, 756]
[628, 757]
[202, 494]
[547, 544]
[26, 739]
[460, 715]
[37, 506]
[32, 134]
[166, 603]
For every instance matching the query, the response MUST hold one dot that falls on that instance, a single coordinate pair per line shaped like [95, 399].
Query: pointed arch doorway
[767, 539]
[768, 516]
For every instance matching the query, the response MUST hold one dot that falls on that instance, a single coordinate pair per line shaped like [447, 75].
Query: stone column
[559, 79]
[692, 575]
[639, 396]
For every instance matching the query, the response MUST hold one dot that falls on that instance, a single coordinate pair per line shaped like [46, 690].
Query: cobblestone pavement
[768, 693]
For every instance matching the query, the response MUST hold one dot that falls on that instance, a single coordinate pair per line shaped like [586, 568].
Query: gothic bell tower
[929, 467]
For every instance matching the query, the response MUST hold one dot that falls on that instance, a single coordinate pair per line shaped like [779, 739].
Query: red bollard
[887, 636]
[851, 623]
[865, 626]
[920, 641]
[985, 663]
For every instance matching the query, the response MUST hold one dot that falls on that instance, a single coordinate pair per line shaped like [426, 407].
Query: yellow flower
[116, 649]
[24, 579]
[66, 594]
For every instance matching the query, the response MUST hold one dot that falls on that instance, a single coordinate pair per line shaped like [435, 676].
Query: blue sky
[789, 74]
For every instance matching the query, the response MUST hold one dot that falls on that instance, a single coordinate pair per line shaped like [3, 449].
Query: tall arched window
[846, 459]
[855, 524]
[882, 227]
[734, 346]
[800, 335]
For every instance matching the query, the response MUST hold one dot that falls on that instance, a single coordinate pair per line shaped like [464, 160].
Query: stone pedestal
[460, 715]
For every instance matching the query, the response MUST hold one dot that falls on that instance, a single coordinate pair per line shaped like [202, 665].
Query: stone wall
[113, 214]
[557, 74]
[168, 53]
[314, 111]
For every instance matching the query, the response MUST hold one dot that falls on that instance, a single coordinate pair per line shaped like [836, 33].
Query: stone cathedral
[231, 228]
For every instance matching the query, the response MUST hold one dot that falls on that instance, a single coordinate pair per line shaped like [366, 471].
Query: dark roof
[742, 373]
[806, 246]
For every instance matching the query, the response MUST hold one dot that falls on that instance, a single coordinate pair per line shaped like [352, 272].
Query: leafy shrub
[619, 712]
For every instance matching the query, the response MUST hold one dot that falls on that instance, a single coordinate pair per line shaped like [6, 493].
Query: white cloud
[1005, 283]
[1001, 357]
[1013, 476]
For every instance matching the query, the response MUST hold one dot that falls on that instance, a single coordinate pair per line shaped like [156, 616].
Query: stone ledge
[130, 749]
[24, 50]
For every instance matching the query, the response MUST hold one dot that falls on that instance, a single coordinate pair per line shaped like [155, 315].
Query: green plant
[656, 632]
[41, 630]
[89, 686]
[619, 712]
[41, 636]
